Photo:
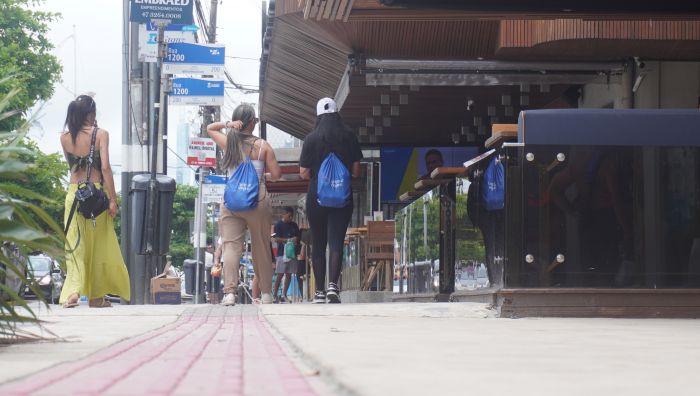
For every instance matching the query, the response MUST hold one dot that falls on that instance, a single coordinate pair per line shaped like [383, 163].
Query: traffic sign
[195, 91]
[201, 152]
[213, 189]
[186, 58]
[174, 11]
[148, 39]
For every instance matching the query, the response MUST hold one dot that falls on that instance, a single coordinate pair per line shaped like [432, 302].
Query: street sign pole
[150, 237]
[201, 153]
[150, 219]
[198, 235]
[160, 13]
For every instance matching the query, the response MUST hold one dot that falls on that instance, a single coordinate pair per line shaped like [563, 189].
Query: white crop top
[258, 164]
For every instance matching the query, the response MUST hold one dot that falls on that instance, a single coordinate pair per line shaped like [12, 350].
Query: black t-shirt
[285, 230]
[313, 153]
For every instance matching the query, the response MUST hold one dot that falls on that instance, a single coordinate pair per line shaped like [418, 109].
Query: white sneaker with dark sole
[319, 297]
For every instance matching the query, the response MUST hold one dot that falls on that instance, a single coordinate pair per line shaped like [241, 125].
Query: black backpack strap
[92, 152]
[70, 219]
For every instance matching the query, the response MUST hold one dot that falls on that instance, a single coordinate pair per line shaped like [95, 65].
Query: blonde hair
[236, 142]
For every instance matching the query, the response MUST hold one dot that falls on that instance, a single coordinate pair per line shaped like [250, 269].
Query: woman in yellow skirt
[96, 267]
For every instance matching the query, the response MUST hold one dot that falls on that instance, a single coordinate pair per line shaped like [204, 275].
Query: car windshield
[39, 264]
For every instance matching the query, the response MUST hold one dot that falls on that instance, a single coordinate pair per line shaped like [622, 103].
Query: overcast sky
[98, 45]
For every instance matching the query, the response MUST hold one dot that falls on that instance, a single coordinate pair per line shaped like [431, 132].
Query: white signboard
[148, 39]
[213, 189]
[201, 152]
[213, 193]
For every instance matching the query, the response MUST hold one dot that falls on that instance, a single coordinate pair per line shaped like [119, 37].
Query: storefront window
[603, 216]
[418, 242]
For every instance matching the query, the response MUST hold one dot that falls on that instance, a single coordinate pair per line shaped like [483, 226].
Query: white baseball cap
[326, 105]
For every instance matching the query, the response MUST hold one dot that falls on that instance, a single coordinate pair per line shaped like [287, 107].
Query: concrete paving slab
[81, 331]
[461, 348]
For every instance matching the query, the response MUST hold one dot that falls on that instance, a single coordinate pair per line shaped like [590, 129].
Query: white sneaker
[229, 299]
[266, 298]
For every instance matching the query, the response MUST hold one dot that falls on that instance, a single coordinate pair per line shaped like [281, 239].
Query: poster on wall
[402, 167]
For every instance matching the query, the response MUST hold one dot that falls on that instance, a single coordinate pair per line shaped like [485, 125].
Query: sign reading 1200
[186, 58]
[175, 11]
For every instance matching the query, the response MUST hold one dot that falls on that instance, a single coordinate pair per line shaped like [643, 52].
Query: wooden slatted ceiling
[307, 58]
[300, 70]
[421, 40]
[578, 39]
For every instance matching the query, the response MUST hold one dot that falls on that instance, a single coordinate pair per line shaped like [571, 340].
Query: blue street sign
[214, 179]
[186, 58]
[175, 11]
[194, 91]
[173, 27]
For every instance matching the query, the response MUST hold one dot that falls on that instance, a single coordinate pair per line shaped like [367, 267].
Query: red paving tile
[208, 351]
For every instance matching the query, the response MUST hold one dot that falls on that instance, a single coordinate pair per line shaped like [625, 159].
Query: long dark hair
[334, 133]
[80, 111]
[236, 142]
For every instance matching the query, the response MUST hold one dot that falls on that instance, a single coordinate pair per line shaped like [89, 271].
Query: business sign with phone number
[174, 11]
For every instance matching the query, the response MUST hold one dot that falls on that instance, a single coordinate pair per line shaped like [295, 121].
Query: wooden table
[501, 133]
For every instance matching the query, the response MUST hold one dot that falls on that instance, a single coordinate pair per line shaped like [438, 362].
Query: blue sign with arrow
[173, 11]
[195, 91]
[187, 58]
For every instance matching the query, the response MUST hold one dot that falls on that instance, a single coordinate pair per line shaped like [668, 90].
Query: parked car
[48, 276]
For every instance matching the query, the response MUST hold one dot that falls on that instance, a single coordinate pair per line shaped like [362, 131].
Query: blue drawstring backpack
[241, 192]
[333, 188]
[493, 189]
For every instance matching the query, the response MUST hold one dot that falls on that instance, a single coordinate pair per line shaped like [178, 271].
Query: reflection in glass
[613, 216]
[418, 241]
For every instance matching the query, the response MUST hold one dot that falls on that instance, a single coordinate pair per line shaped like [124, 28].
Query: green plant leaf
[18, 232]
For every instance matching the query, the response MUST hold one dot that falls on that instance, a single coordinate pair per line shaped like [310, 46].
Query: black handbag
[90, 201]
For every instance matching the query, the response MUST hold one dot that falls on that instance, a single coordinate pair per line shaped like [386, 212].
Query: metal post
[150, 237]
[126, 126]
[448, 200]
[198, 235]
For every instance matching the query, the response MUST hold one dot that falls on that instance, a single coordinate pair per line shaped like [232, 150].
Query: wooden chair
[379, 254]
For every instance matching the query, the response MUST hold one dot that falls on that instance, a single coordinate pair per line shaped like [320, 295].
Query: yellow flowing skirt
[96, 267]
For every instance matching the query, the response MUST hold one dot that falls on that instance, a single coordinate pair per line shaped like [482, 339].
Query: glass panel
[603, 216]
[418, 241]
[473, 260]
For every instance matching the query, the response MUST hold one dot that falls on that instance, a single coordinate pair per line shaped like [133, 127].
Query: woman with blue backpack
[330, 156]
[249, 160]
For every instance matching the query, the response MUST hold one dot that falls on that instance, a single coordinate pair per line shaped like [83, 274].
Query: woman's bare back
[81, 148]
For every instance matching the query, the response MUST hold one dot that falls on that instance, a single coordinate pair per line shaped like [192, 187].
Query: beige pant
[232, 227]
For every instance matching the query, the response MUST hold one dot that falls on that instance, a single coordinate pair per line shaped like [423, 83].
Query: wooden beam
[342, 8]
[307, 8]
[329, 8]
[321, 8]
[348, 10]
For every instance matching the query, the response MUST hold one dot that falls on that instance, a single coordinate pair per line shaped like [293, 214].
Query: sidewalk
[462, 349]
[206, 350]
[356, 349]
